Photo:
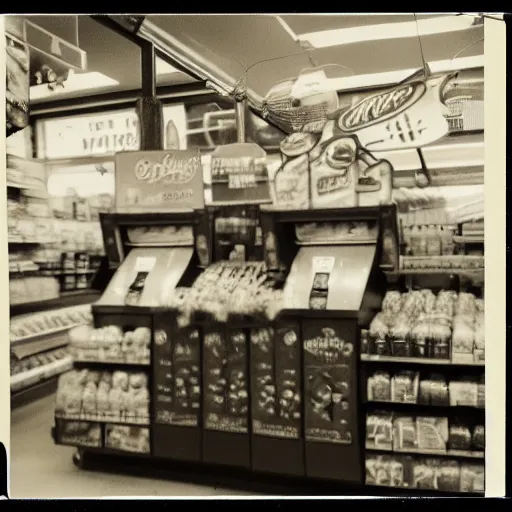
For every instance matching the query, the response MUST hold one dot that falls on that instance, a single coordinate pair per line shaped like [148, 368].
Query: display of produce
[38, 324]
[110, 344]
[424, 473]
[103, 396]
[424, 325]
[228, 288]
[226, 392]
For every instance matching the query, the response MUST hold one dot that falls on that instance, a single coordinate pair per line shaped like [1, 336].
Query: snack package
[424, 474]
[379, 430]
[371, 470]
[405, 436]
[405, 386]
[479, 438]
[396, 472]
[379, 387]
[383, 471]
[464, 391]
[472, 478]
[459, 437]
[432, 433]
[448, 476]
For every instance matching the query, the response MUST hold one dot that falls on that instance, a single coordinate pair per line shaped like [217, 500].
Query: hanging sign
[158, 181]
[408, 116]
[103, 134]
[239, 174]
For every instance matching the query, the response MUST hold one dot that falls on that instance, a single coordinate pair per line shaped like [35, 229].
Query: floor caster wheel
[79, 459]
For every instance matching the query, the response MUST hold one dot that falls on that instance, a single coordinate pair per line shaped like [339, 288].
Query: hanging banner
[104, 134]
[158, 181]
[239, 174]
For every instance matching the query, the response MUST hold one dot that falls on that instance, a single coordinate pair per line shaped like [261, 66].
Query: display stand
[161, 265]
[226, 350]
[332, 287]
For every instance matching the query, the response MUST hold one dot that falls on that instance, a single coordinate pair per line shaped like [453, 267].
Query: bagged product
[459, 437]
[383, 471]
[396, 473]
[479, 438]
[448, 476]
[371, 470]
[379, 430]
[404, 387]
[379, 387]
[464, 392]
[405, 436]
[472, 478]
[424, 474]
[432, 433]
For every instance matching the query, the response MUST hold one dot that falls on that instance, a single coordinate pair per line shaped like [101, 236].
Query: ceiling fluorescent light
[164, 68]
[76, 82]
[393, 77]
[361, 34]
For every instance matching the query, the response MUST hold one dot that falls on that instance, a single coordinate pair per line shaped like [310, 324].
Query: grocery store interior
[244, 264]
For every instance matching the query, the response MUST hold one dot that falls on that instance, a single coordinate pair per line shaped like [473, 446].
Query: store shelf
[457, 454]
[410, 492]
[110, 362]
[29, 378]
[409, 406]
[461, 264]
[66, 299]
[103, 419]
[37, 391]
[368, 358]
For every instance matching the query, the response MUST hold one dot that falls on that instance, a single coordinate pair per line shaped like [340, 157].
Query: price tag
[323, 265]
[145, 264]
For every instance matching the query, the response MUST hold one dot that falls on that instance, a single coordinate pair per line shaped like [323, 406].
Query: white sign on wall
[101, 134]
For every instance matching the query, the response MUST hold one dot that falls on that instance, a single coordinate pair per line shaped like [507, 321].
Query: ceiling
[108, 53]
[264, 47]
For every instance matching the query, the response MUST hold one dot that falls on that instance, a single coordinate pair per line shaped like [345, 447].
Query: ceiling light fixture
[76, 82]
[380, 32]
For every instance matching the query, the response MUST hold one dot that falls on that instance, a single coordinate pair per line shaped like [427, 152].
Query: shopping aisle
[40, 469]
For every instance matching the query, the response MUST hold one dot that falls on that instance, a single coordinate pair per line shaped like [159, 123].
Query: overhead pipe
[186, 57]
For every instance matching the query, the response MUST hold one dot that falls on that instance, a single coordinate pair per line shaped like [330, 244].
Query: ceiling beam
[191, 93]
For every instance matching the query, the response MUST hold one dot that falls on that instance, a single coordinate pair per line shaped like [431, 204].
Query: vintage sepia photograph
[246, 255]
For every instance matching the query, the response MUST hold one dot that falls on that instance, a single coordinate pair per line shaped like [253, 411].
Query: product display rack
[462, 271]
[38, 344]
[303, 460]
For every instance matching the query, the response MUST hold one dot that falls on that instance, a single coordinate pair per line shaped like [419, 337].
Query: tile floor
[40, 469]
